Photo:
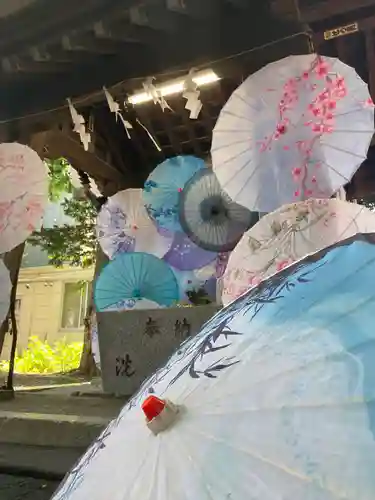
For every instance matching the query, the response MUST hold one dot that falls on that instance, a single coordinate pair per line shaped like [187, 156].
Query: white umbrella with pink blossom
[289, 234]
[298, 128]
[23, 194]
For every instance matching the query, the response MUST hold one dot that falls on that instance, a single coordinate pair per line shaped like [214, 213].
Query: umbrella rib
[342, 150]
[241, 98]
[261, 458]
[245, 118]
[351, 222]
[228, 160]
[123, 278]
[231, 131]
[340, 174]
[195, 467]
[124, 275]
[238, 172]
[303, 406]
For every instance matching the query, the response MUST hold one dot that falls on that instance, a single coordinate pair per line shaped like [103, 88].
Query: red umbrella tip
[152, 407]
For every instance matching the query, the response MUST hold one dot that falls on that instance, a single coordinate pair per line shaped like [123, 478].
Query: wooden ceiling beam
[88, 42]
[370, 55]
[25, 65]
[195, 8]
[156, 16]
[56, 144]
[126, 32]
[47, 21]
[242, 4]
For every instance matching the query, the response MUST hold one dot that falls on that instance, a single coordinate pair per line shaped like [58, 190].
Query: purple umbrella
[186, 255]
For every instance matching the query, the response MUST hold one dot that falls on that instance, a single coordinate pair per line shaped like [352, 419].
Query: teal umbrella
[135, 276]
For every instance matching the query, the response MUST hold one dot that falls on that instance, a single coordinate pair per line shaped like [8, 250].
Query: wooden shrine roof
[81, 46]
[51, 50]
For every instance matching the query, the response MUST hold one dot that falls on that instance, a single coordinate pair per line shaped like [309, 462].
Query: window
[77, 297]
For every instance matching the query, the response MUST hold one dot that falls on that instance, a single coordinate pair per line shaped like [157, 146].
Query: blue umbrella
[135, 276]
[274, 397]
[163, 188]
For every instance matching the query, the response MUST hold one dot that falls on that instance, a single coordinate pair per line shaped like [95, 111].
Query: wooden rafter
[57, 144]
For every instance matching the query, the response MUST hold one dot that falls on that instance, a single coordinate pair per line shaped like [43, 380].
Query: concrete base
[46, 432]
[38, 461]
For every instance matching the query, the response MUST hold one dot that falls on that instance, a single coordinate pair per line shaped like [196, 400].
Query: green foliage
[369, 203]
[60, 181]
[40, 357]
[68, 244]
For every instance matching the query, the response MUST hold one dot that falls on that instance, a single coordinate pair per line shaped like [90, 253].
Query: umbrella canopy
[163, 189]
[274, 398]
[289, 234]
[123, 225]
[185, 255]
[5, 288]
[209, 217]
[296, 129]
[23, 194]
[135, 276]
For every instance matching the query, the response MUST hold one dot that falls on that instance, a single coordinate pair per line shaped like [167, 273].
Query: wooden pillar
[370, 54]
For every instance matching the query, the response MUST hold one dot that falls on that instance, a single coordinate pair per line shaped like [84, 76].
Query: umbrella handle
[160, 414]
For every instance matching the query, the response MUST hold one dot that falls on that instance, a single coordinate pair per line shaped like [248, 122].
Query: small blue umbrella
[135, 276]
[163, 188]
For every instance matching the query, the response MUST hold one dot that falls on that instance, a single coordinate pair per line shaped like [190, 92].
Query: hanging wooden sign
[341, 31]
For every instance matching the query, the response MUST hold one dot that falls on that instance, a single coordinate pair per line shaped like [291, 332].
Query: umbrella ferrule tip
[160, 413]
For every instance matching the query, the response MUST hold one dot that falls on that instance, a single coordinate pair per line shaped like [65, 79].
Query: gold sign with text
[341, 31]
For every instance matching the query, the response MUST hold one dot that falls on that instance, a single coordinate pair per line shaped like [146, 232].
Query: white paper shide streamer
[79, 126]
[114, 107]
[156, 95]
[192, 96]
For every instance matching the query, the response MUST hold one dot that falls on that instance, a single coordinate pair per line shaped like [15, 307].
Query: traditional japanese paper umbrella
[185, 255]
[123, 225]
[296, 129]
[5, 288]
[209, 217]
[135, 276]
[274, 398]
[23, 194]
[163, 189]
[289, 234]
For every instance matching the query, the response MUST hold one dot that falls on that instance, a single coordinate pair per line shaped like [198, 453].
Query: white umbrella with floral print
[123, 225]
[289, 234]
[23, 194]
[272, 400]
[5, 288]
[296, 129]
